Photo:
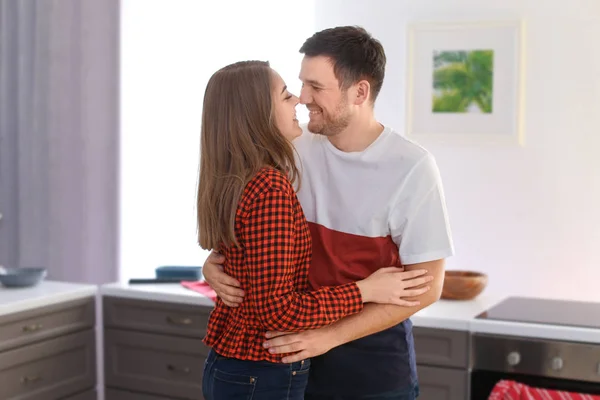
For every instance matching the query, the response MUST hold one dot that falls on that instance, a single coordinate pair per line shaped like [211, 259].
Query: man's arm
[374, 318]
[227, 288]
[378, 317]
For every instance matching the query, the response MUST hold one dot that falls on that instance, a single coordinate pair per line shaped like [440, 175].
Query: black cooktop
[545, 311]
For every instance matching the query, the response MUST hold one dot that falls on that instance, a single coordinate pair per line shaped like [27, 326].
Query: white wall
[529, 217]
[170, 48]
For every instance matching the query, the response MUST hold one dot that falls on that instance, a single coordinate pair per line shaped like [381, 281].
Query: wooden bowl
[463, 285]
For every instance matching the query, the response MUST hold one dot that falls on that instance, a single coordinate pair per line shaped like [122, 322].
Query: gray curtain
[59, 141]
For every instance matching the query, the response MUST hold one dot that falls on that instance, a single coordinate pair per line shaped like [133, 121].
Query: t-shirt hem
[426, 257]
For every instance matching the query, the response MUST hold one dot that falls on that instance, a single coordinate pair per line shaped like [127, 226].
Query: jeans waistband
[295, 366]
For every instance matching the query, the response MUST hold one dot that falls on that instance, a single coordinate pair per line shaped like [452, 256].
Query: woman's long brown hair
[238, 139]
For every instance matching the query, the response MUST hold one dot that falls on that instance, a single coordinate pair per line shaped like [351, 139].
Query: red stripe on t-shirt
[340, 257]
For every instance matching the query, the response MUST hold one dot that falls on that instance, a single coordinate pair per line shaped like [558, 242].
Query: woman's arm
[269, 238]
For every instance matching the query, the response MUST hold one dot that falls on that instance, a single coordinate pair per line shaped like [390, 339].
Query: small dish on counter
[21, 277]
[463, 285]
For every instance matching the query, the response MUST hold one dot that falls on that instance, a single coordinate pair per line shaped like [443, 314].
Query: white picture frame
[469, 113]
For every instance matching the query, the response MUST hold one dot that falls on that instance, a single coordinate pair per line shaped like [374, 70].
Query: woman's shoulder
[266, 181]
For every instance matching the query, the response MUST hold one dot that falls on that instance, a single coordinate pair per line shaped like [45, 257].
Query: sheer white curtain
[169, 51]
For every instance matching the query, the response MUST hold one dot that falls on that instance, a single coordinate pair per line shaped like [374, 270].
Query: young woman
[248, 210]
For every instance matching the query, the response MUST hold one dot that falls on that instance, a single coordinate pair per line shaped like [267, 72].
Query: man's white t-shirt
[375, 208]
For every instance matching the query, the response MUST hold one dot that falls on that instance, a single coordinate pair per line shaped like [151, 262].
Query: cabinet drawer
[46, 322]
[114, 394]
[155, 364]
[443, 383]
[156, 317]
[87, 395]
[441, 347]
[52, 369]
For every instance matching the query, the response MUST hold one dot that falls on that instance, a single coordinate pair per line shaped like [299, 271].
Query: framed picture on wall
[465, 82]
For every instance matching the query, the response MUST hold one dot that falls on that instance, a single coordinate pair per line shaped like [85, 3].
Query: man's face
[328, 105]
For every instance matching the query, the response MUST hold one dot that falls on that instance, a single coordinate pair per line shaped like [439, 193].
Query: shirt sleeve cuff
[355, 301]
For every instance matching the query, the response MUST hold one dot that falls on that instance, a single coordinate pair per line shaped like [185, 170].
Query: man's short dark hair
[356, 55]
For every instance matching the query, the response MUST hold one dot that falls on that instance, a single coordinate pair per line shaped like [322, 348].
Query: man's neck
[358, 136]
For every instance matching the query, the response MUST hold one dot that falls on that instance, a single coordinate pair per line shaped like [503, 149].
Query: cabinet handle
[32, 328]
[179, 321]
[26, 380]
[173, 368]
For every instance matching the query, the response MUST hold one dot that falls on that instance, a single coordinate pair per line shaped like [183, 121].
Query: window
[169, 51]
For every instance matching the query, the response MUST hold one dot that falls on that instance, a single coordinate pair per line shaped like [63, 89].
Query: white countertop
[454, 314]
[444, 314]
[535, 331]
[459, 315]
[13, 300]
[169, 292]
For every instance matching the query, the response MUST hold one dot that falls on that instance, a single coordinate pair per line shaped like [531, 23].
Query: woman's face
[284, 109]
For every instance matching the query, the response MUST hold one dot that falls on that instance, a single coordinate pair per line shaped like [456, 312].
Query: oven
[549, 364]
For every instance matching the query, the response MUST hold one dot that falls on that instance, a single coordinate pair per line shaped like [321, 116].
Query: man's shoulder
[394, 149]
[398, 149]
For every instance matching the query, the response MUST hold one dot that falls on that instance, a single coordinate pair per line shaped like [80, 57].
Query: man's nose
[305, 97]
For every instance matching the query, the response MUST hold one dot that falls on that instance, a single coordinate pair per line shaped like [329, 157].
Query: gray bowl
[21, 277]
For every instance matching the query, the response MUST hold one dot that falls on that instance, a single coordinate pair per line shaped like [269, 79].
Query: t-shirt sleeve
[419, 220]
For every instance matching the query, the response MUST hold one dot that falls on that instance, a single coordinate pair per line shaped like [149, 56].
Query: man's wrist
[363, 289]
[330, 337]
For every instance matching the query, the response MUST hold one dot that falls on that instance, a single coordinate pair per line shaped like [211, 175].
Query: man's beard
[328, 126]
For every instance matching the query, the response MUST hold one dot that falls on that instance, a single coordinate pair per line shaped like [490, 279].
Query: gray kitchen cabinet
[442, 363]
[87, 395]
[443, 383]
[171, 319]
[49, 353]
[18, 329]
[115, 394]
[153, 349]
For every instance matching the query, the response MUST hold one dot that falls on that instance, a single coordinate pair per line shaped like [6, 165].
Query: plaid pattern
[272, 266]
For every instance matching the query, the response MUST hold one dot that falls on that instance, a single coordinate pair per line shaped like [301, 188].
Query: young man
[373, 199]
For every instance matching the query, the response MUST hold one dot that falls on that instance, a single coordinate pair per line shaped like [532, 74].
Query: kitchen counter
[444, 314]
[166, 292]
[535, 331]
[46, 293]
[454, 314]
[461, 315]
